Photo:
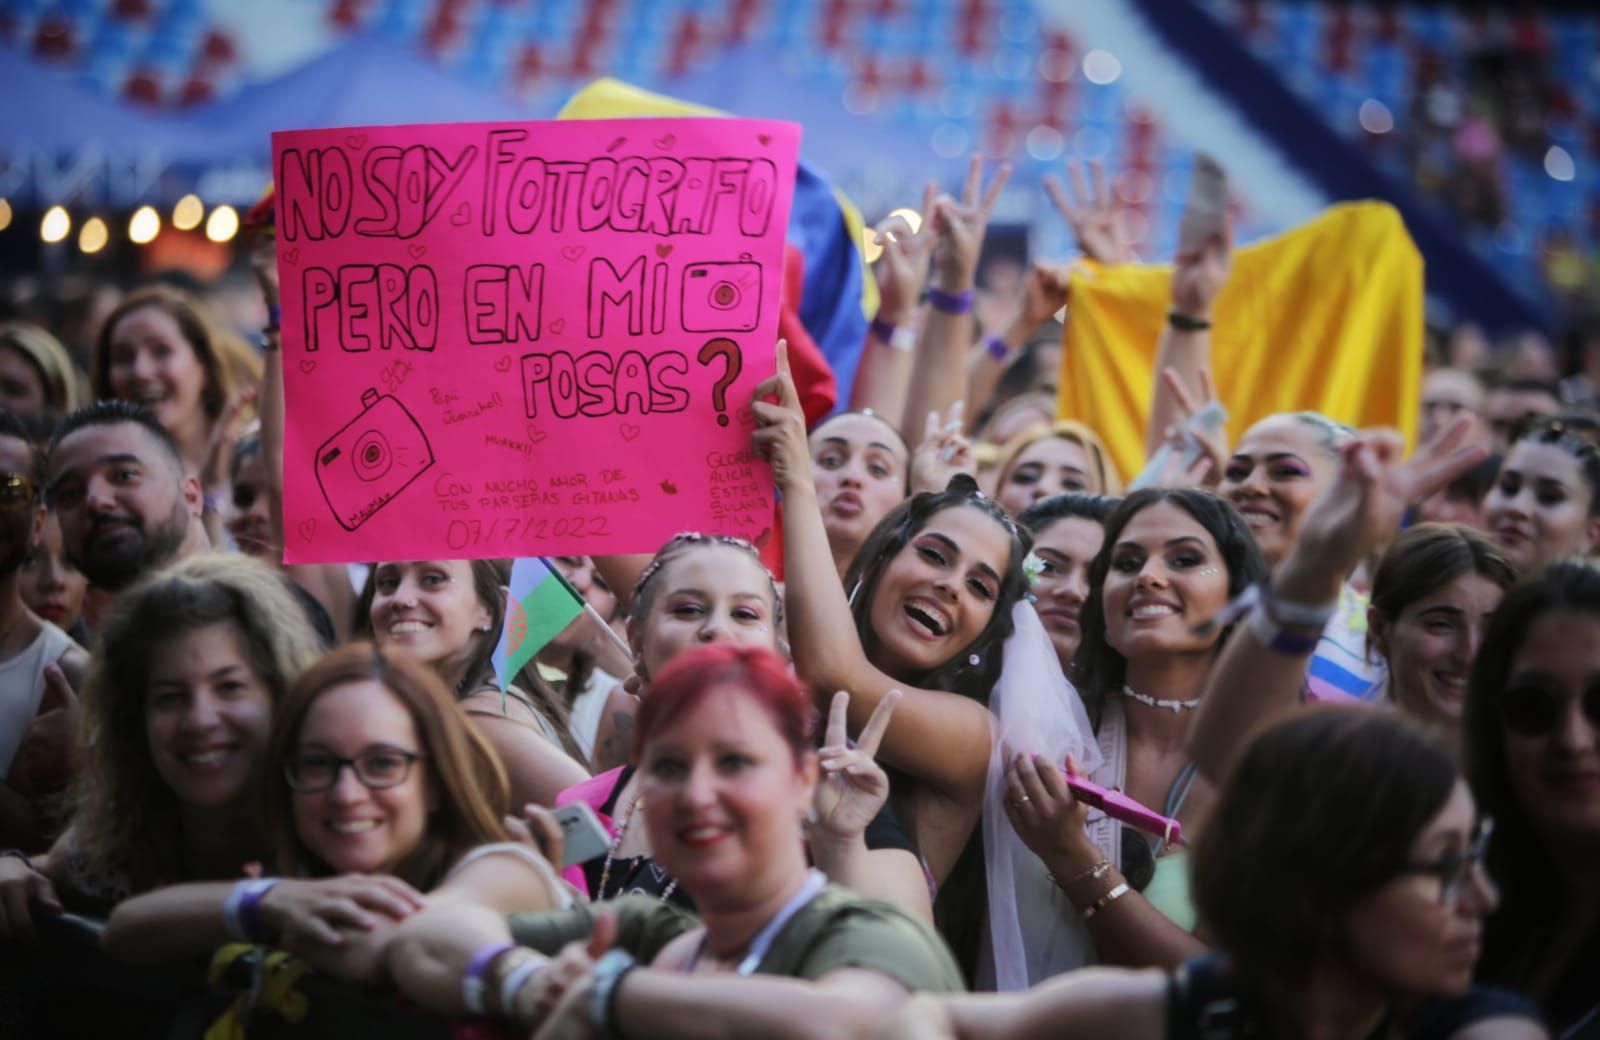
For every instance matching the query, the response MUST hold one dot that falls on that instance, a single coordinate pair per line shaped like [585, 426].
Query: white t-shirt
[22, 687]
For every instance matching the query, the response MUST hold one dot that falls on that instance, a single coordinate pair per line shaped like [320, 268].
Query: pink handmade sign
[521, 339]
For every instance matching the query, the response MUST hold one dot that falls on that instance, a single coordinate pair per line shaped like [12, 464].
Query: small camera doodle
[371, 460]
[722, 297]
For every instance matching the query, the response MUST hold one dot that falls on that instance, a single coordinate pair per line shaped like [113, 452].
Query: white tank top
[22, 687]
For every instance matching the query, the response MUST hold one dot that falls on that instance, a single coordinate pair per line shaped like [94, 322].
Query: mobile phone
[586, 837]
[1119, 806]
[1205, 214]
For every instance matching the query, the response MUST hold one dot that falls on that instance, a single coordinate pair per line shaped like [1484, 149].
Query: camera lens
[371, 458]
[725, 296]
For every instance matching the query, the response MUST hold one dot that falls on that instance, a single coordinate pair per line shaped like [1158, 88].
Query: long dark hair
[893, 533]
[1521, 862]
[962, 900]
[1098, 668]
[1322, 810]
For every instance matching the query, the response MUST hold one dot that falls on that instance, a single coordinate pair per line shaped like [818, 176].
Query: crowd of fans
[1349, 692]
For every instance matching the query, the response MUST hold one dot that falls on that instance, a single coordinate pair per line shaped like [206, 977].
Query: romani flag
[541, 603]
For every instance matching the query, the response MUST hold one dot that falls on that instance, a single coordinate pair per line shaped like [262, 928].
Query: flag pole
[605, 626]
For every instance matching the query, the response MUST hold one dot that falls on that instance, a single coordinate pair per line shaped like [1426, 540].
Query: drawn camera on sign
[722, 297]
[371, 460]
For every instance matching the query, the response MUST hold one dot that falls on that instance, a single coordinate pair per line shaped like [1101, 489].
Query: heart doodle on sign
[504, 364]
[763, 538]
[664, 250]
[746, 416]
[665, 141]
[308, 530]
[618, 143]
[291, 256]
[628, 430]
[571, 253]
[764, 138]
[536, 435]
[356, 141]
[669, 487]
[416, 249]
[558, 326]
[308, 366]
[461, 216]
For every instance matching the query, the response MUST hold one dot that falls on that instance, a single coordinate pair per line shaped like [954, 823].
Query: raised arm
[884, 371]
[1044, 294]
[1185, 345]
[941, 738]
[939, 378]
[1253, 685]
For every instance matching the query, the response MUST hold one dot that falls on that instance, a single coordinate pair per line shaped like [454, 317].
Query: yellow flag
[1326, 317]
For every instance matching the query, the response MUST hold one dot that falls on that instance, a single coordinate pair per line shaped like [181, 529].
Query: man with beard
[40, 666]
[125, 505]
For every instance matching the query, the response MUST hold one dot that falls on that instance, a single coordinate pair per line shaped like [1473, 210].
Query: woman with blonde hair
[1046, 460]
[177, 706]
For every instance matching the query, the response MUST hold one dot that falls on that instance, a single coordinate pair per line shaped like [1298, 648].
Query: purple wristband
[997, 348]
[250, 907]
[883, 330]
[472, 983]
[950, 303]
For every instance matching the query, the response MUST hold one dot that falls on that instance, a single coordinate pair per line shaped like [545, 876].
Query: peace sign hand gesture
[959, 227]
[853, 787]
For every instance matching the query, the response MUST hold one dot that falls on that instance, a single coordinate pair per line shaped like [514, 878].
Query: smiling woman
[1545, 503]
[177, 707]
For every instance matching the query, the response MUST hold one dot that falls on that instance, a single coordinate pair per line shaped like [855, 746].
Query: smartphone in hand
[1205, 214]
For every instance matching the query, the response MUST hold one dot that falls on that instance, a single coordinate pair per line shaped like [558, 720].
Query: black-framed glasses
[16, 491]
[1534, 710]
[1453, 868]
[377, 768]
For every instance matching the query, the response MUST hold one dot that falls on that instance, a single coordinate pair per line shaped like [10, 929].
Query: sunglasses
[1533, 711]
[16, 491]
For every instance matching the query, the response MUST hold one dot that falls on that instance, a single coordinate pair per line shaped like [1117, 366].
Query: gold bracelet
[1099, 870]
[1106, 900]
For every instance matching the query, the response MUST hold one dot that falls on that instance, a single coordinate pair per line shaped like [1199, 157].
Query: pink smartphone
[1119, 806]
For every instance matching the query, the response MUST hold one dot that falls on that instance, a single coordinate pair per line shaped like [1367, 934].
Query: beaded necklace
[616, 843]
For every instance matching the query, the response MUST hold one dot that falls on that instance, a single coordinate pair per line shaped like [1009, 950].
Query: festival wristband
[950, 303]
[274, 318]
[997, 348]
[1187, 322]
[472, 984]
[1281, 640]
[609, 972]
[1299, 615]
[526, 964]
[241, 914]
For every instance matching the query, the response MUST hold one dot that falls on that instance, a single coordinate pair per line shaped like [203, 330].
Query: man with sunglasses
[40, 666]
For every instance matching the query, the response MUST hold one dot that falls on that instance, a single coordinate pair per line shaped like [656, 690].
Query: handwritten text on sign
[526, 339]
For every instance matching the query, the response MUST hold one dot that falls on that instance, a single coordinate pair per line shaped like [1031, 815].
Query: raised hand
[225, 434]
[46, 756]
[1198, 277]
[780, 433]
[902, 268]
[1360, 511]
[959, 227]
[943, 453]
[853, 786]
[1097, 222]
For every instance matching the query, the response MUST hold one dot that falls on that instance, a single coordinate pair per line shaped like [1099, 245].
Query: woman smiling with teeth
[448, 614]
[1172, 559]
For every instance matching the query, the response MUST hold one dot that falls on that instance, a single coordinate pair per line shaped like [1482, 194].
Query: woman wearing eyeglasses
[1341, 879]
[380, 790]
[1532, 742]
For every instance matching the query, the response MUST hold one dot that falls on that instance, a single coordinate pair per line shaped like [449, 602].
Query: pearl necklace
[1173, 706]
[611, 855]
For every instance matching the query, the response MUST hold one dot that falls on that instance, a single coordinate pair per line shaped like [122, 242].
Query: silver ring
[1024, 800]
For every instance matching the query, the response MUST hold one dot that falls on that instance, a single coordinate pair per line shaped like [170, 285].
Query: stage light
[1558, 164]
[188, 213]
[94, 235]
[1101, 67]
[56, 224]
[5, 214]
[1375, 117]
[145, 225]
[223, 224]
